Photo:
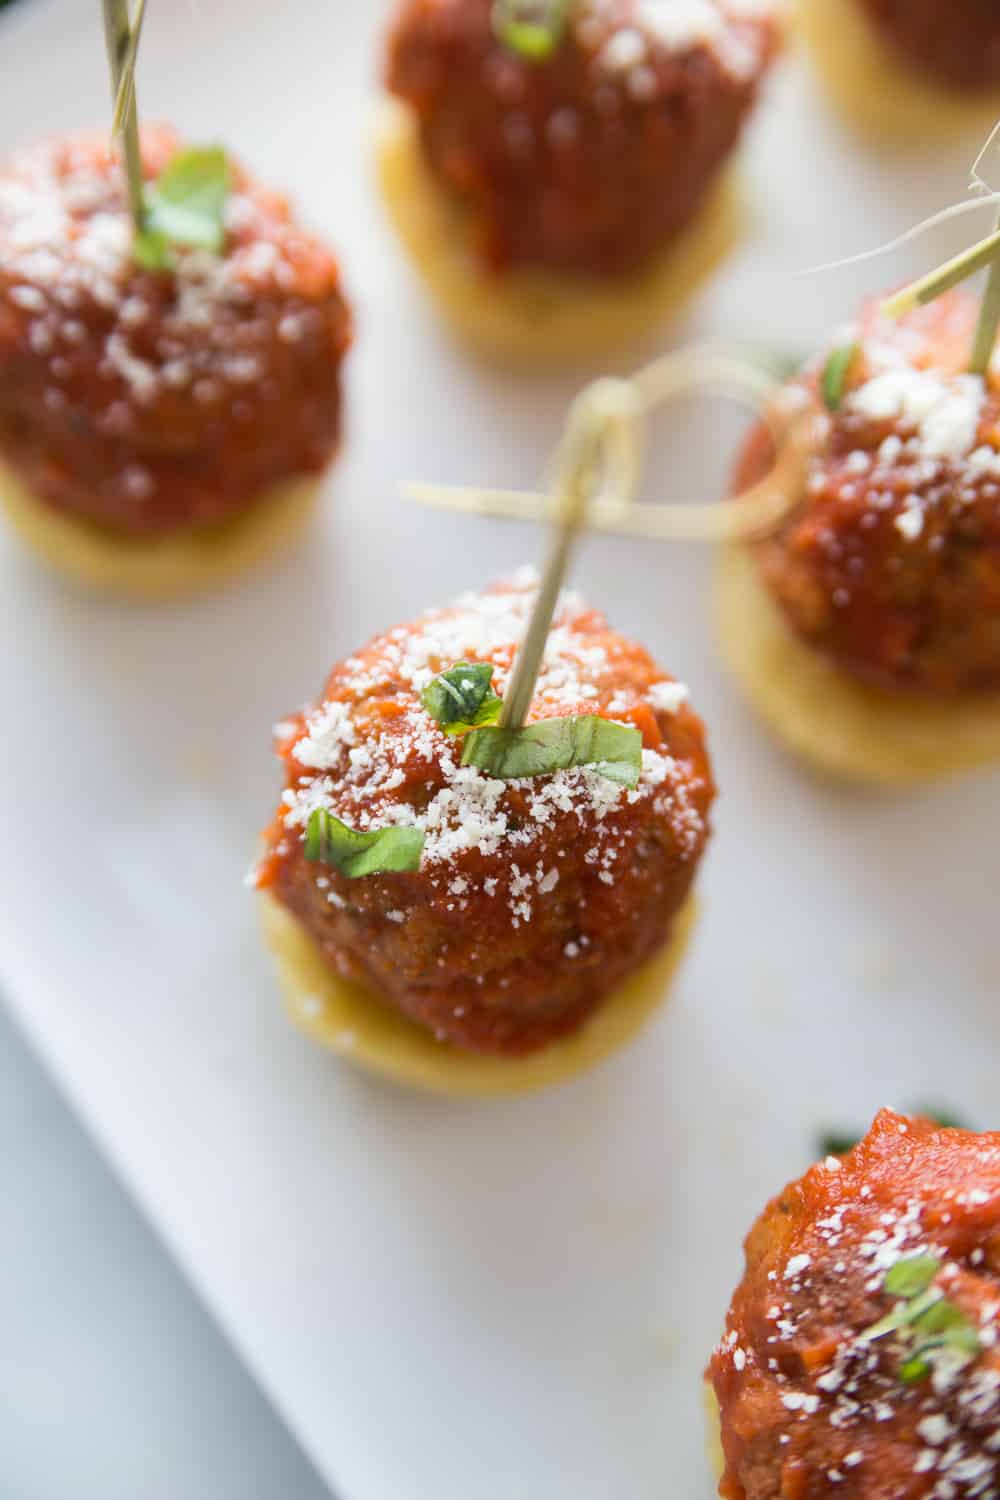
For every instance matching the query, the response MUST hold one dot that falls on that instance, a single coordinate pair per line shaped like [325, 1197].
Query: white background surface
[459, 1302]
[114, 1385]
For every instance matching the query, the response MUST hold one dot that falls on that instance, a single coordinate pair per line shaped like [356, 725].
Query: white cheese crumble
[355, 771]
[668, 697]
[65, 243]
[910, 522]
[944, 410]
[678, 24]
[800, 1401]
[672, 27]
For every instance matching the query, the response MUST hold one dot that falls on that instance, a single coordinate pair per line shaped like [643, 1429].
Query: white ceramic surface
[451, 1302]
[161, 1408]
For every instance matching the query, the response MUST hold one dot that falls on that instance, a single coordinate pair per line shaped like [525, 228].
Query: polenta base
[823, 715]
[536, 316]
[162, 567]
[875, 90]
[345, 1018]
[714, 1432]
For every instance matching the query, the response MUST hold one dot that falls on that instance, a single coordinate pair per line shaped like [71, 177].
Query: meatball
[594, 159]
[890, 563]
[819, 1396]
[535, 897]
[957, 44]
[150, 401]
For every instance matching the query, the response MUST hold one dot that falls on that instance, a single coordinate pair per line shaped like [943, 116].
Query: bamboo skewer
[121, 41]
[610, 414]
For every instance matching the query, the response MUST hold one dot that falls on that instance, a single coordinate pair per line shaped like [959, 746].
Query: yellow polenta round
[159, 567]
[714, 1431]
[874, 89]
[362, 1029]
[528, 315]
[832, 721]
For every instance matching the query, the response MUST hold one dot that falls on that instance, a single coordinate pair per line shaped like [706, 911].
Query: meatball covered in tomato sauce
[147, 401]
[956, 44]
[889, 563]
[535, 896]
[860, 1357]
[592, 159]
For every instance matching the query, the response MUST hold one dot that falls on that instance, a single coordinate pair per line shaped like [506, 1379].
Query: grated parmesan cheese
[363, 771]
[944, 410]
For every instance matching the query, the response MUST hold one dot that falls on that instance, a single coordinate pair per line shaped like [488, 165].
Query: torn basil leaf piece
[834, 376]
[912, 1371]
[354, 854]
[839, 1142]
[614, 750]
[836, 1143]
[185, 206]
[911, 1275]
[531, 28]
[462, 698]
[946, 1326]
[942, 1117]
[929, 1326]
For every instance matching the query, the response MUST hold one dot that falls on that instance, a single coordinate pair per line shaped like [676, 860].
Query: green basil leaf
[957, 1342]
[963, 1338]
[891, 1323]
[903, 1315]
[911, 1276]
[917, 1307]
[531, 28]
[941, 1317]
[838, 1143]
[151, 249]
[942, 1117]
[615, 750]
[355, 854]
[462, 698]
[185, 206]
[835, 1143]
[944, 1325]
[926, 1322]
[834, 375]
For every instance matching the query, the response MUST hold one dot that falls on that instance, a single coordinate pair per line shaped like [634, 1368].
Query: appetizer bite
[478, 877]
[556, 167]
[865, 626]
[912, 70]
[859, 1358]
[170, 354]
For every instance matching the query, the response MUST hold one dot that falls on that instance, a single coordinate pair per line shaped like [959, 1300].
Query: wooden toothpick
[121, 40]
[575, 482]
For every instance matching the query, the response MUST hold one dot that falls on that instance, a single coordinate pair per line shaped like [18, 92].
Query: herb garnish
[942, 1117]
[929, 1325]
[911, 1275]
[839, 1142]
[355, 854]
[836, 1143]
[531, 28]
[614, 750]
[514, 748]
[462, 698]
[835, 373]
[184, 206]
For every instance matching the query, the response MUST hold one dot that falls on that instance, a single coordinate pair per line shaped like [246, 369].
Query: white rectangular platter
[458, 1302]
